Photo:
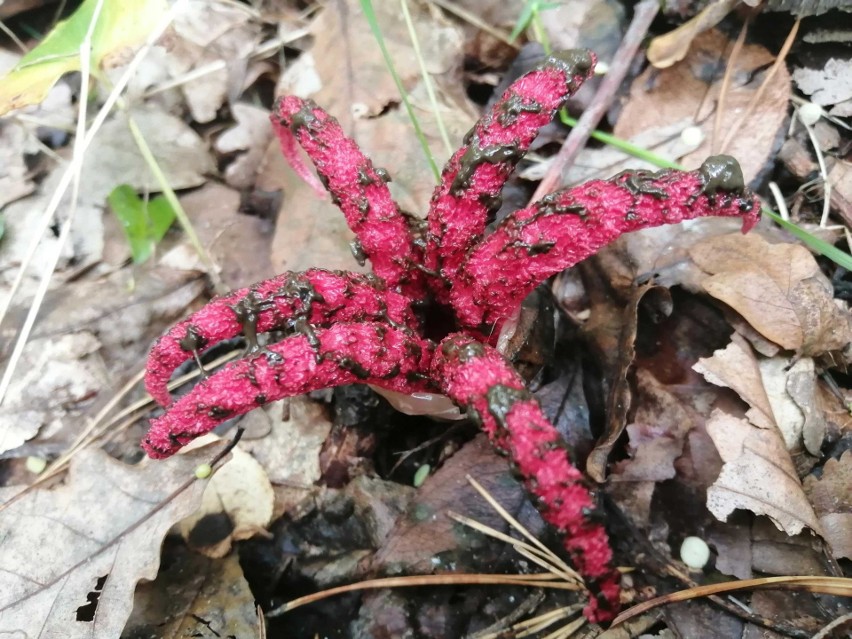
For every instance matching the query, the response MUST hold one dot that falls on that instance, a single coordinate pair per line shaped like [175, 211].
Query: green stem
[172, 199]
[370, 15]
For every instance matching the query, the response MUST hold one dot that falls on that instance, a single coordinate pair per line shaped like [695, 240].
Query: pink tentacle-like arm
[478, 377]
[315, 296]
[368, 352]
[469, 192]
[570, 225]
[359, 189]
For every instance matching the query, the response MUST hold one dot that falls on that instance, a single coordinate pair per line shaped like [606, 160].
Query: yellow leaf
[121, 26]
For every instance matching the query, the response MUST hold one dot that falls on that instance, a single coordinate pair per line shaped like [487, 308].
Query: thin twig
[726, 84]
[643, 15]
[758, 95]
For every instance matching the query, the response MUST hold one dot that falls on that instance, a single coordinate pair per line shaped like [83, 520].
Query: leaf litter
[687, 437]
[68, 560]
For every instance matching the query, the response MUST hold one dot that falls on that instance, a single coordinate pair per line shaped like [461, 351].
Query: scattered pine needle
[825, 585]
[559, 576]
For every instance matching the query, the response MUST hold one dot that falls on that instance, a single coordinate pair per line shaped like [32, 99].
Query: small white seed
[36, 465]
[810, 113]
[203, 471]
[694, 552]
[692, 136]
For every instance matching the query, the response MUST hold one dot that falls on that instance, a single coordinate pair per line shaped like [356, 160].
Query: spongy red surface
[367, 352]
[457, 216]
[534, 243]
[519, 427]
[342, 297]
[360, 192]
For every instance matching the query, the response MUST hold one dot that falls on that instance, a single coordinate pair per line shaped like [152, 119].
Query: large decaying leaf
[72, 555]
[758, 476]
[777, 288]
[691, 89]
[120, 27]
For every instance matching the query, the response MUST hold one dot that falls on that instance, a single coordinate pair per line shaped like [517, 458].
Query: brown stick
[643, 15]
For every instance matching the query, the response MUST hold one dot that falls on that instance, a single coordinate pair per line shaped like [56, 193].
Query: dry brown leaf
[144, 299]
[832, 502]
[239, 493]
[290, 453]
[309, 232]
[73, 555]
[840, 176]
[781, 391]
[54, 375]
[239, 244]
[673, 46]
[827, 85]
[427, 539]
[690, 89]
[251, 134]
[653, 453]
[737, 368]
[661, 422]
[777, 288]
[356, 84]
[595, 24]
[194, 596]
[114, 159]
[796, 390]
[620, 394]
[776, 552]
[22, 222]
[758, 476]
[211, 34]
[732, 542]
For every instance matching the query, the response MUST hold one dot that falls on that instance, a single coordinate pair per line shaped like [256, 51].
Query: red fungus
[477, 377]
[316, 297]
[569, 225]
[343, 328]
[471, 182]
[367, 352]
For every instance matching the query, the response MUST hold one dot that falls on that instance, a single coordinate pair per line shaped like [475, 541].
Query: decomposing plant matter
[344, 328]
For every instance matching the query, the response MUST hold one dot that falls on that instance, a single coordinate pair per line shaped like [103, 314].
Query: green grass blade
[370, 15]
[839, 257]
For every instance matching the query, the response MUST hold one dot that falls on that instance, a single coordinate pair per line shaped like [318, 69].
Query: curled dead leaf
[777, 288]
[832, 502]
[758, 476]
[673, 46]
